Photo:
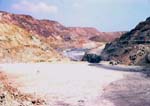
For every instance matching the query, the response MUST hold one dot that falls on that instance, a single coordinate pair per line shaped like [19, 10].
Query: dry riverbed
[76, 84]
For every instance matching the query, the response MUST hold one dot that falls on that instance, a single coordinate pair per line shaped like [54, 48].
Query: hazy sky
[105, 15]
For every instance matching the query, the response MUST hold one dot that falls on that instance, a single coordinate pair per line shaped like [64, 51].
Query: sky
[105, 15]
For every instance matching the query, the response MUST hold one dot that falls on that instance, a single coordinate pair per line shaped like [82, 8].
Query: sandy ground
[62, 83]
[67, 84]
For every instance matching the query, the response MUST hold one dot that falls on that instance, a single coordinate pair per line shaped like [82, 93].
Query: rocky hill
[133, 48]
[17, 45]
[26, 39]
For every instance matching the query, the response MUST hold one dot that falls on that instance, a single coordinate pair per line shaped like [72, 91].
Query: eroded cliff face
[17, 45]
[132, 48]
[26, 39]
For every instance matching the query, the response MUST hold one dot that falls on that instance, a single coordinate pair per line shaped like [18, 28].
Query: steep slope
[17, 45]
[132, 48]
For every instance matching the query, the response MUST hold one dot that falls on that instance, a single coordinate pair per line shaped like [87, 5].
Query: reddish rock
[44, 36]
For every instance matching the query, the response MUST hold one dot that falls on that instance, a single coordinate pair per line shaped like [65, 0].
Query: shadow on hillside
[121, 68]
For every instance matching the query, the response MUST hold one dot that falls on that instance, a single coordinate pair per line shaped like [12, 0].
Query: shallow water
[75, 54]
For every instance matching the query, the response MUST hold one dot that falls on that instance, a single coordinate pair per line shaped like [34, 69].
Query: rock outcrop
[17, 45]
[132, 48]
[92, 58]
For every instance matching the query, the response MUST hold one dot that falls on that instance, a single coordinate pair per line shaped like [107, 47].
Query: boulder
[148, 58]
[92, 58]
[112, 62]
